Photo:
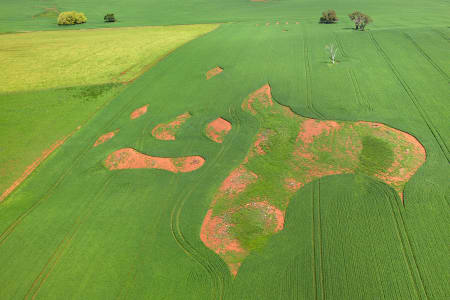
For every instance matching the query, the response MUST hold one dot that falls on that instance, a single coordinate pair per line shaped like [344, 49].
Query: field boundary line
[413, 98]
[5, 234]
[426, 56]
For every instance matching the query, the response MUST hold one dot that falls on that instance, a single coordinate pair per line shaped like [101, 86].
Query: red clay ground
[314, 150]
[213, 72]
[128, 158]
[139, 112]
[35, 164]
[105, 137]
[167, 131]
[218, 129]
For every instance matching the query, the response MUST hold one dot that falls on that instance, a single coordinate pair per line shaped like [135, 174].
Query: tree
[361, 20]
[109, 18]
[71, 18]
[332, 50]
[328, 17]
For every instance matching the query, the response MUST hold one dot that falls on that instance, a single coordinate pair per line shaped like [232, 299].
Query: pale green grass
[54, 59]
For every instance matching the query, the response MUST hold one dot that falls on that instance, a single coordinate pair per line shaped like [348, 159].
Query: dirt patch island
[218, 129]
[139, 112]
[250, 206]
[167, 131]
[128, 158]
[213, 72]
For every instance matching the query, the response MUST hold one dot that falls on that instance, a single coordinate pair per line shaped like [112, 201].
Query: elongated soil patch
[218, 129]
[288, 152]
[128, 158]
[167, 131]
[139, 112]
[105, 137]
[213, 72]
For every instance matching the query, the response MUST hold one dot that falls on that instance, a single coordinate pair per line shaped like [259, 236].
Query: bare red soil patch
[139, 112]
[215, 232]
[213, 72]
[129, 158]
[262, 95]
[218, 129]
[105, 137]
[309, 149]
[167, 131]
[35, 164]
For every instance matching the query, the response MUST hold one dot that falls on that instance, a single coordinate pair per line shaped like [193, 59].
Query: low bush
[329, 17]
[109, 18]
[71, 18]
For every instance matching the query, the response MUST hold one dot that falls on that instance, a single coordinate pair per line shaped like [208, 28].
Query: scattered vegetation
[360, 19]
[329, 17]
[71, 18]
[109, 18]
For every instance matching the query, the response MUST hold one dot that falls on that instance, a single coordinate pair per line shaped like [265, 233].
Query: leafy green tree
[329, 17]
[71, 18]
[360, 19]
[109, 18]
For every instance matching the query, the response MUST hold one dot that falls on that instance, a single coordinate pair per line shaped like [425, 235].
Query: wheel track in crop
[308, 81]
[132, 273]
[318, 245]
[410, 258]
[212, 270]
[441, 34]
[10, 229]
[440, 141]
[340, 45]
[65, 243]
[426, 56]
[360, 98]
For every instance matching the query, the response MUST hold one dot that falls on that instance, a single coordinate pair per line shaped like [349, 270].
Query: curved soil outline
[218, 129]
[129, 158]
[340, 142]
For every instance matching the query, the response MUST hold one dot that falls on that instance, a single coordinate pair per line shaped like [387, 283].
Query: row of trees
[360, 19]
[73, 18]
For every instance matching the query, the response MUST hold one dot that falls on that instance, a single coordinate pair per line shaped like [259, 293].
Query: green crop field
[331, 184]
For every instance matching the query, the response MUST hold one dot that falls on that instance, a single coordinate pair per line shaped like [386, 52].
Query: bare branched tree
[332, 50]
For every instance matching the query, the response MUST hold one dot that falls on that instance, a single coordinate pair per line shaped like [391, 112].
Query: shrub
[361, 20]
[71, 18]
[329, 17]
[109, 18]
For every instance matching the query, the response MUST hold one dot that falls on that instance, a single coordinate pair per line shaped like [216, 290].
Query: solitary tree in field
[332, 50]
[361, 20]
